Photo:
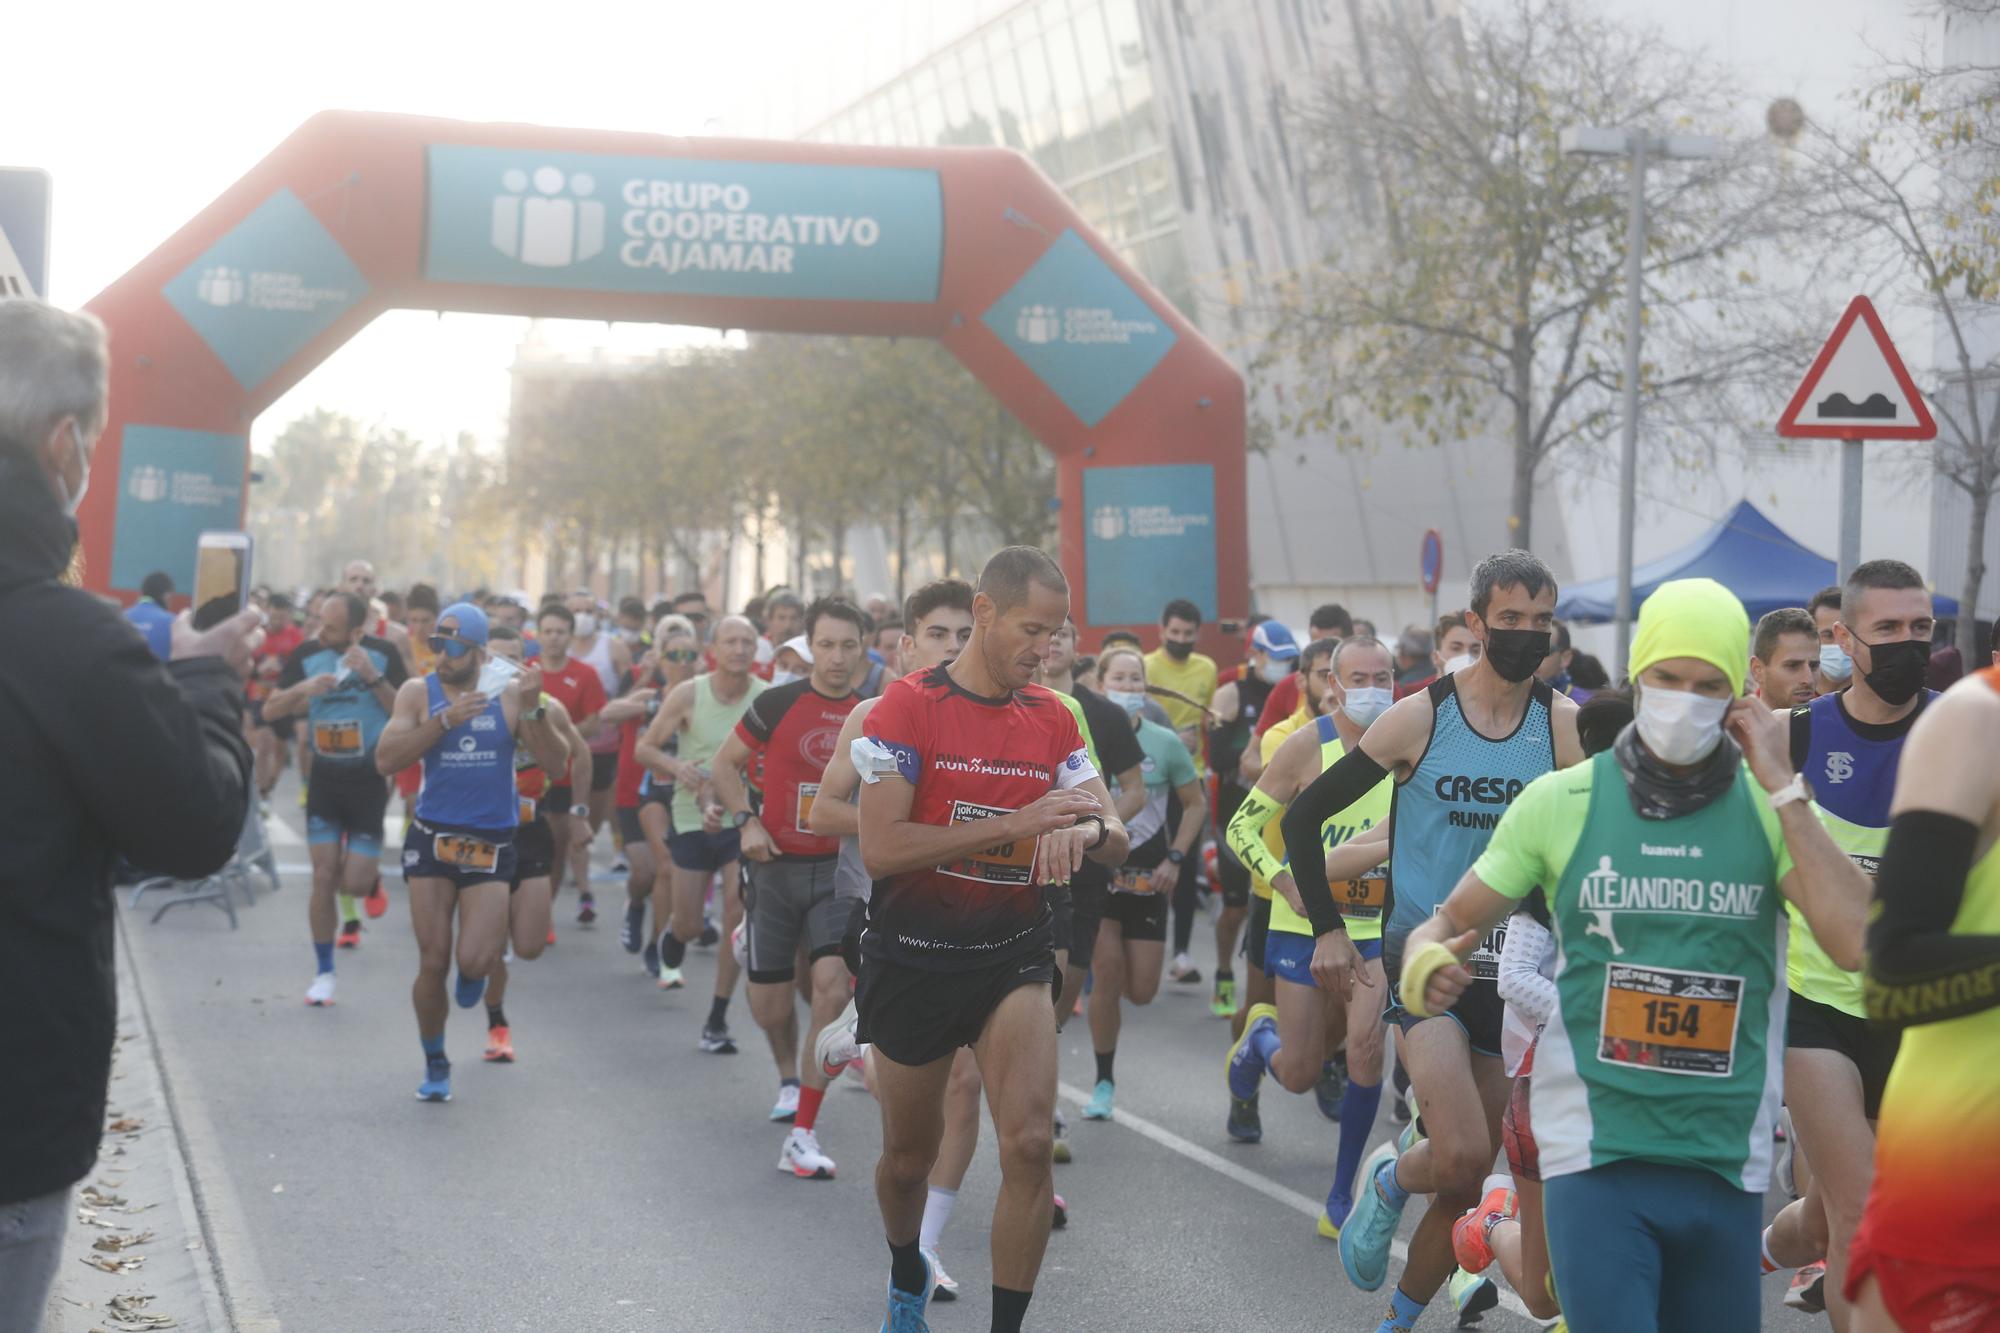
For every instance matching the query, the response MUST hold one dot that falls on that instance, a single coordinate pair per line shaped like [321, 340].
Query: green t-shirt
[1167, 766]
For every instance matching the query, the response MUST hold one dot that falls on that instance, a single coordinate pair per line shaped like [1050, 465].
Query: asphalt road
[617, 1179]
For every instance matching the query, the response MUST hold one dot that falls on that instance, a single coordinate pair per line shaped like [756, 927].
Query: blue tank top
[1852, 765]
[1443, 815]
[344, 723]
[469, 772]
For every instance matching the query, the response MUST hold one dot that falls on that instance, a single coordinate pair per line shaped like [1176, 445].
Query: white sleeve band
[1522, 983]
[1076, 770]
[872, 759]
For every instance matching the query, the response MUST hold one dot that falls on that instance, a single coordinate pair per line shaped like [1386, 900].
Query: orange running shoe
[499, 1046]
[377, 901]
[1471, 1235]
[350, 935]
[552, 934]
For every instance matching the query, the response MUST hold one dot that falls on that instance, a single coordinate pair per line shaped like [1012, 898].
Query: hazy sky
[143, 120]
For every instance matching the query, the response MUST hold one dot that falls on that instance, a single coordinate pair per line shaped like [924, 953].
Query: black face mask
[1515, 653]
[1176, 649]
[1898, 669]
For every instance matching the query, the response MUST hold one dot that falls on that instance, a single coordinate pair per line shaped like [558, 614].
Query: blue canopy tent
[1745, 552]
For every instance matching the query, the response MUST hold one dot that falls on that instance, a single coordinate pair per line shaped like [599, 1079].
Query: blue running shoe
[1365, 1235]
[906, 1310]
[1334, 1216]
[436, 1086]
[1244, 1065]
[1245, 1125]
[1099, 1105]
[470, 992]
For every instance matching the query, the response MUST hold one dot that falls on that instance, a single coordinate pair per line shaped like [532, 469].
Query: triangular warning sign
[13, 277]
[1857, 388]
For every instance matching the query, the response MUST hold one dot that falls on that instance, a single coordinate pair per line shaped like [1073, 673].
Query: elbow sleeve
[1918, 971]
[1331, 792]
[1245, 834]
[1521, 981]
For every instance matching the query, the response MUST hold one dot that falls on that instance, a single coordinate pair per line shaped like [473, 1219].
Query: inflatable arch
[356, 214]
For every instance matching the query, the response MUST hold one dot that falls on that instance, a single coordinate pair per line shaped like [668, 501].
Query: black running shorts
[915, 1017]
[1810, 1025]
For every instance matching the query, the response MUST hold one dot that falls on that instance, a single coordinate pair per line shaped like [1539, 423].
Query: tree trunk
[1521, 518]
[902, 548]
[759, 585]
[1975, 572]
[839, 557]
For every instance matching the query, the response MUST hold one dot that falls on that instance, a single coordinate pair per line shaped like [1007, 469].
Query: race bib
[808, 792]
[337, 740]
[1485, 961]
[1671, 1021]
[456, 849]
[1363, 899]
[1131, 879]
[1010, 863]
[528, 804]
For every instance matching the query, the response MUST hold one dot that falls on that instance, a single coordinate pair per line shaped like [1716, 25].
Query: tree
[1478, 272]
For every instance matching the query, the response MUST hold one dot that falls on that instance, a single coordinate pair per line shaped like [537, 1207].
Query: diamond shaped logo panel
[1081, 328]
[275, 282]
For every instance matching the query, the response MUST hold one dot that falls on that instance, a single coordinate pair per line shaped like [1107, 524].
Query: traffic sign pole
[1850, 505]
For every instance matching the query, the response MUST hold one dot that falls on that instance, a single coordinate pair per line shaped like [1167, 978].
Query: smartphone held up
[221, 577]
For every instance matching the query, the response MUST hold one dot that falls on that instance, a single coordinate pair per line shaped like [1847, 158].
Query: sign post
[1856, 390]
[1430, 565]
[25, 193]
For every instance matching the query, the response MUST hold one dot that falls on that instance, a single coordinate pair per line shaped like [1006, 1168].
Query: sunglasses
[680, 656]
[451, 645]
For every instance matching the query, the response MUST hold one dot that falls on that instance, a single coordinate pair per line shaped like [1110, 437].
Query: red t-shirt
[581, 692]
[969, 758]
[792, 731]
[278, 645]
[1280, 704]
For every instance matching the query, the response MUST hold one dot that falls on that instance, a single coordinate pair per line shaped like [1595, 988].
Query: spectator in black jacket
[105, 751]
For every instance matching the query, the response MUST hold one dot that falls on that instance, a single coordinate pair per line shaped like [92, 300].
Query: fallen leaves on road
[130, 1313]
[100, 1198]
[122, 1265]
[125, 1125]
[123, 1240]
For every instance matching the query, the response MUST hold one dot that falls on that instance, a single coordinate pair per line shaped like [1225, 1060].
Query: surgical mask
[72, 503]
[1680, 726]
[586, 624]
[1177, 650]
[1274, 670]
[1899, 669]
[784, 678]
[1365, 703]
[1459, 663]
[1514, 654]
[630, 636]
[1129, 700]
[1834, 664]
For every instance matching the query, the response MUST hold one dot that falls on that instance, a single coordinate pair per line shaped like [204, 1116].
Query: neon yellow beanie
[1696, 618]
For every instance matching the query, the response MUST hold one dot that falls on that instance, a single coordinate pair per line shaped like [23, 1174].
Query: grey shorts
[787, 901]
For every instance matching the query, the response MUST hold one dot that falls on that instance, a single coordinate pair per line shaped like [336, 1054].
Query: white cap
[798, 644]
[765, 652]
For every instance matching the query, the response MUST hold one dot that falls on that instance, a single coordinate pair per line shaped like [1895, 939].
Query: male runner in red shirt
[977, 791]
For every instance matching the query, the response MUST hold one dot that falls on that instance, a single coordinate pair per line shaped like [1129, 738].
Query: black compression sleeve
[1918, 971]
[1331, 792]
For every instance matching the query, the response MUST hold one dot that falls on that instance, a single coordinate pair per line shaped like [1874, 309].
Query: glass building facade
[1068, 83]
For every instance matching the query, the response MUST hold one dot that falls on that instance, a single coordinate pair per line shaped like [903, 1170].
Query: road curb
[232, 1282]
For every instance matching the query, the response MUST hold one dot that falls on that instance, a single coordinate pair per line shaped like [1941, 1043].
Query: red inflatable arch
[357, 213]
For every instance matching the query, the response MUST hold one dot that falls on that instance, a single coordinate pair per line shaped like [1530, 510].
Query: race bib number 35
[1671, 1021]
[455, 849]
[1010, 863]
[1363, 899]
[337, 740]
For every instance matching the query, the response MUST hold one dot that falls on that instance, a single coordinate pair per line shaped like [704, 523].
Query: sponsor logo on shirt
[993, 768]
[1458, 789]
[1839, 766]
[1606, 891]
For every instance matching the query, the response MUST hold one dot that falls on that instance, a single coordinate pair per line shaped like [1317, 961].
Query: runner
[271, 737]
[1848, 747]
[702, 713]
[581, 690]
[1240, 707]
[668, 661]
[609, 657]
[784, 614]
[1783, 656]
[1188, 680]
[534, 845]
[1329, 621]
[1656, 1081]
[1131, 944]
[1923, 1256]
[346, 683]
[1836, 668]
[1459, 750]
[358, 577]
[791, 898]
[1290, 1040]
[421, 613]
[977, 790]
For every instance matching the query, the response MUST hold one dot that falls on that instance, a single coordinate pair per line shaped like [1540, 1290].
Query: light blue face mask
[1365, 703]
[1833, 663]
[1129, 700]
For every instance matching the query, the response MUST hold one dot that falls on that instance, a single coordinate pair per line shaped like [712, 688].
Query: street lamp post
[1640, 147]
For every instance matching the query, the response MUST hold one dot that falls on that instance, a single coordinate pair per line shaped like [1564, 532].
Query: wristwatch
[581, 810]
[741, 817]
[1176, 856]
[535, 714]
[1102, 831]
[1795, 790]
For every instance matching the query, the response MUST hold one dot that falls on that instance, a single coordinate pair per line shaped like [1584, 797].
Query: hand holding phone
[221, 577]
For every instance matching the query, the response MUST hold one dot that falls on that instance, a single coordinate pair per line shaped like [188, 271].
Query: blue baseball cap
[1274, 640]
[471, 621]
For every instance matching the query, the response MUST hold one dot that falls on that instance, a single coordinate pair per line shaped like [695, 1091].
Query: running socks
[1358, 1105]
[673, 950]
[1104, 1059]
[1392, 1189]
[496, 1017]
[1770, 1265]
[1264, 1040]
[350, 907]
[937, 1212]
[1403, 1313]
[718, 1010]
[433, 1046]
[906, 1269]
[809, 1099]
[1010, 1307]
[324, 953]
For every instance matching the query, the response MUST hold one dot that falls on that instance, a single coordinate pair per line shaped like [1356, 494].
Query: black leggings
[1184, 906]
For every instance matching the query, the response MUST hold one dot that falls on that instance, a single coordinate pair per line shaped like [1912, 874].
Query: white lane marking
[280, 834]
[1399, 1249]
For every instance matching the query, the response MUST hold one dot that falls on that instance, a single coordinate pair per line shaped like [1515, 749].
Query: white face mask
[1274, 670]
[1129, 700]
[1365, 703]
[586, 624]
[72, 503]
[1680, 726]
[1459, 663]
[1834, 663]
[784, 677]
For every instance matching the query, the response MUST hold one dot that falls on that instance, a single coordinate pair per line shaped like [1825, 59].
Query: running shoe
[709, 934]
[1411, 1136]
[1471, 1296]
[620, 866]
[836, 1047]
[350, 935]
[499, 1046]
[1808, 1289]
[1099, 1105]
[1243, 1068]
[1184, 972]
[715, 1040]
[1331, 1087]
[1245, 1125]
[377, 901]
[1061, 1153]
[1061, 1218]
[1365, 1236]
[1333, 1216]
[739, 944]
[469, 991]
[906, 1309]
[586, 909]
[670, 978]
[787, 1107]
[947, 1286]
[320, 993]
[651, 959]
[552, 934]
[436, 1086]
[1223, 1004]
[801, 1156]
[630, 933]
[1471, 1235]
